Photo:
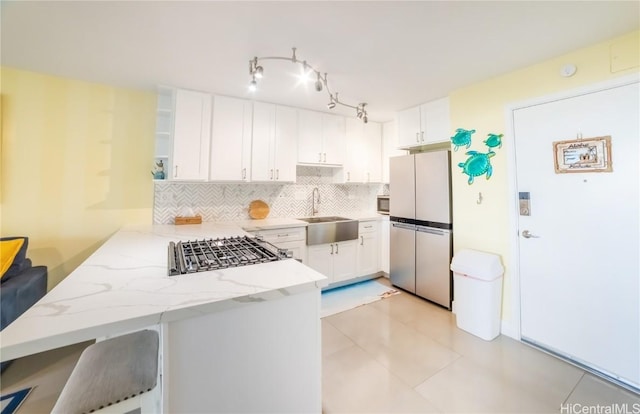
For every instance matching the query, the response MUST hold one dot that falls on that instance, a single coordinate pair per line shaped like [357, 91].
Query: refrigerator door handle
[432, 230]
[404, 226]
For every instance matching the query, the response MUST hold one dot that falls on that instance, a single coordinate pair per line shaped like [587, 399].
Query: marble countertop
[124, 286]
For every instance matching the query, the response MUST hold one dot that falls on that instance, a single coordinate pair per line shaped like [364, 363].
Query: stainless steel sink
[330, 229]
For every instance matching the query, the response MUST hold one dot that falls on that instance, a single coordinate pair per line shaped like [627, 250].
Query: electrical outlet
[166, 197]
[300, 195]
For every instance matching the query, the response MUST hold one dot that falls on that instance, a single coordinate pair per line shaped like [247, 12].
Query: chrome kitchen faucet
[314, 207]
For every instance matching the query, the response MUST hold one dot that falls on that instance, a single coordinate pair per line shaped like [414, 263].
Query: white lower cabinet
[368, 248]
[290, 238]
[337, 261]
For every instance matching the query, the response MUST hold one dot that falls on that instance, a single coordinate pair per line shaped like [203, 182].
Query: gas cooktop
[213, 254]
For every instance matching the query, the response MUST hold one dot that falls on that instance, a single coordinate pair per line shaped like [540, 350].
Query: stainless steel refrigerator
[421, 227]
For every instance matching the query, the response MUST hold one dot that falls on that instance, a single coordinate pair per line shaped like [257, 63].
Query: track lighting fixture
[256, 72]
[319, 84]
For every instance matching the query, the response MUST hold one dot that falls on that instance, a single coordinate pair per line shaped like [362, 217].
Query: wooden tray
[188, 220]
[258, 209]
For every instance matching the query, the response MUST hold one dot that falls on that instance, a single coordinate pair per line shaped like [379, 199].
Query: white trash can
[477, 292]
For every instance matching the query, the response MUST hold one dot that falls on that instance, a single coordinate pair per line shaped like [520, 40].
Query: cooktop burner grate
[213, 254]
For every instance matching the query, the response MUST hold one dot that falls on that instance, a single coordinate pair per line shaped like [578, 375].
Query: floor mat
[44, 374]
[12, 401]
[351, 296]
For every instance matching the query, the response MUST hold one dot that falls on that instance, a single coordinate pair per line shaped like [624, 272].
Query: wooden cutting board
[258, 209]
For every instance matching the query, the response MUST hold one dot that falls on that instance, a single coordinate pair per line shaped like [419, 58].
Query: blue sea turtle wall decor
[493, 140]
[477, 164]
[462, 138]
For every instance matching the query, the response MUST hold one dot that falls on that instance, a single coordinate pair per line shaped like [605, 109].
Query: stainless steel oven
[382, 206]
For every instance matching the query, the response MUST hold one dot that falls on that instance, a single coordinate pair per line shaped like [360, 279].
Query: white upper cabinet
[230, 158]
[363, 152]
[191, 136]
[274, 149]
[424, 124]
[320, 137]
[389, 145]
[409, 129]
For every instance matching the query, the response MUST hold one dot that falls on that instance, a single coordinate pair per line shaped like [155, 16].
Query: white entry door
[579, 267]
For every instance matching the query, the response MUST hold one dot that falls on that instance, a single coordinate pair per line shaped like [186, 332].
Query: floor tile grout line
[574, 387]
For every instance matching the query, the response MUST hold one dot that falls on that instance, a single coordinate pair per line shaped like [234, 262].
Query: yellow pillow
[8, 251]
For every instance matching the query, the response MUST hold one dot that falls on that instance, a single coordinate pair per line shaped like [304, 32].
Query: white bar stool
[111, 376]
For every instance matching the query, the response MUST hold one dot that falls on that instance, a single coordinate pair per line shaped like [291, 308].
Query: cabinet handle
[319, 157]
[417, 137]
[361, 240]
[348, 175]
[422, 136]
[368, 177]
[277, 174]
[176, 174]
[337, 248]
[325, 157]
[244, 173]
[331, 248]
[271, 175]
[283, 235]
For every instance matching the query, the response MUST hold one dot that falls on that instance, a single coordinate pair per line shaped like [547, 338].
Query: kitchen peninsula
[237, 339]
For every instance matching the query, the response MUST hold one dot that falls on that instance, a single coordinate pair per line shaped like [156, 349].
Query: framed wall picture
[583, 155]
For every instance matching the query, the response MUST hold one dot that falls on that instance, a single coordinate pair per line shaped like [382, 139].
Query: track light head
[365, 119]
[331, 105]
[253, 85]
[318, 83]
[258, 72]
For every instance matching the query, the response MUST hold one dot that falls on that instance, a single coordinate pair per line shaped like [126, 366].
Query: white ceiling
[392, 55]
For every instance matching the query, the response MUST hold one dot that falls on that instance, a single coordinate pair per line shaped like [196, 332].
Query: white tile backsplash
[220, 202]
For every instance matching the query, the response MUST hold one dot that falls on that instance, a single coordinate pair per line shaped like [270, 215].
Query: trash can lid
[477, 264]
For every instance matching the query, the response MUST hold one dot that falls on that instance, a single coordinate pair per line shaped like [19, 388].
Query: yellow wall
[482, 107]
[76, 165]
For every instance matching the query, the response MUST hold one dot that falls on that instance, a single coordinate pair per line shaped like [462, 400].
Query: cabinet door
[192, 134]
[437, 124]
[354, 160]
[309, 137]
[389, 145]
[372, 145]
[333, 137]
[368, 249]
[230, 140]
[286, 144]
[345, 260]
[384, 246]
[320, 258]
[409, 127]
[263, 142]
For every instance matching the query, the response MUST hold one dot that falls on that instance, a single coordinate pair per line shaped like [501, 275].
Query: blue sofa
[20, 288]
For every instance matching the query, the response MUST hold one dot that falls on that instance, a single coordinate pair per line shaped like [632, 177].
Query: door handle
[271, 175]
[337, 248]
[244, 173]
[331, 248]
[422, 136]
[528, 235]
[277, 174]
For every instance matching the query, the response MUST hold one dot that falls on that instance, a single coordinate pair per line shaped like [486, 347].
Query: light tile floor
[405, 355]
